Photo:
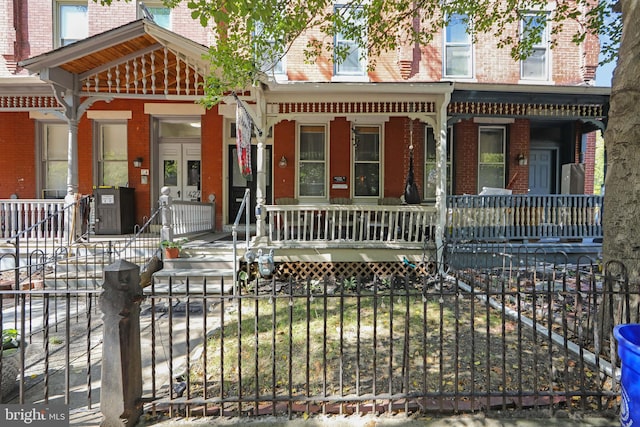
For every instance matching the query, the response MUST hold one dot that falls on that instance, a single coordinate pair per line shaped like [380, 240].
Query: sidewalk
[477, 420]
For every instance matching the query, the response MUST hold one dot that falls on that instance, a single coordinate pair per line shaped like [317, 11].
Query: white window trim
[380, 162]
[57, 36]
[349, 77]
[472, 65]
[504, 154]
[41, 153]
[327, 189]
[549, 68]
[99, 160]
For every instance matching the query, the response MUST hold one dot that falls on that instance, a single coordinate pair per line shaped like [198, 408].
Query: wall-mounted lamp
[137, 162]
[522, 159]
[283, 162]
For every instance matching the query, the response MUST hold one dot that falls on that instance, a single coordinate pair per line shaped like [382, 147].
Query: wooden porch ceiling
[137, 59]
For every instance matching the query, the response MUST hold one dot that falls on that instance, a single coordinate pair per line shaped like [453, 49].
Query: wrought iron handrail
[142, 229]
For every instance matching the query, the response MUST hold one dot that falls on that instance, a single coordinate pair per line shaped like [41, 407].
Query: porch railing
[514, 217]
[17, 215]
[345, 224]
[192, 217]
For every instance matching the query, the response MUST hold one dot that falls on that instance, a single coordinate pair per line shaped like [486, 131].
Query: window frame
[279, 69]
[44, 161]
[427, 162]
[57, 20]
[101, 161]
[155, 5]
[503, 163]
[470, 47]
[362, 57]
[379, 161]
[300, 161]
[542, 46]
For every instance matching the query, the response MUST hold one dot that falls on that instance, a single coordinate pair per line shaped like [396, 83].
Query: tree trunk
[621, 218]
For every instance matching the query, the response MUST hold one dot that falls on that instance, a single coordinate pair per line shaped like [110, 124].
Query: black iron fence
[517, 332]
[524, 335]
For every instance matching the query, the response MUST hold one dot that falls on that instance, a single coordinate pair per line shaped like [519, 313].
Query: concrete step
[200, 261]
[217, 280]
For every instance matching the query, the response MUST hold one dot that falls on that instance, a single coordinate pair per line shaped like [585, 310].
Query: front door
[541, 171]
[238, 183]
[180, 170]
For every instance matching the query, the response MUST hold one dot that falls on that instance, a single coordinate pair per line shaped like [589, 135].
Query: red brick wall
[395, 156]
[17, 162]
[519, 141]
[340, 149]
[589, 163]
[284, 179]
[465, 157]
[213, 154]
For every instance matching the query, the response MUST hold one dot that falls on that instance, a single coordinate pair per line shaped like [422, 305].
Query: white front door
[180, 170]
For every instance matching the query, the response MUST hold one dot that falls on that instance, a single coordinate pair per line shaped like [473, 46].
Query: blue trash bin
[628, 337]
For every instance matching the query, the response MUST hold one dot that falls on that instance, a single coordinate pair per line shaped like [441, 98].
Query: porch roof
[137, 59]
[589, 104]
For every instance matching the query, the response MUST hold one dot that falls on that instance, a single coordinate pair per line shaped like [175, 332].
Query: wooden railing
[18, 215]
[523, 217]
[348, 225]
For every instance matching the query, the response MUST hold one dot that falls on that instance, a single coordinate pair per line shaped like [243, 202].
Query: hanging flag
[243, 140]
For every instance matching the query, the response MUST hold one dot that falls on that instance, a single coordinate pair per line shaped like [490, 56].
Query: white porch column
[441, 185]
[72, 158]
[261, 165]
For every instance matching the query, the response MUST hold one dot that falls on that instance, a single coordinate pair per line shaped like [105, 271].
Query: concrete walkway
[563, 420]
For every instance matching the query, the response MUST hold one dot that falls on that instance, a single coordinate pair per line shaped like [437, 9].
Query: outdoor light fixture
[283, 162]
[137, 162]
[522, 159]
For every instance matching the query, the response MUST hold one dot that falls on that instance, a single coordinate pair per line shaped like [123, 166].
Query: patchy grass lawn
[437, 342]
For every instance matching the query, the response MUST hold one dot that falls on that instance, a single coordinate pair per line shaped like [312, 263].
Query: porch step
[218, 280]
[200, 261]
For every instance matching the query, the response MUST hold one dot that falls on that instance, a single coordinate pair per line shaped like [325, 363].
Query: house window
[272, 61]
[430, 166]
[160, 13]
[55, 142]
[366, 155]
[112, 161]
[536, 65]
[354, 63]
[491, 156]
[71, 21]
[312, 162]
[458, 48]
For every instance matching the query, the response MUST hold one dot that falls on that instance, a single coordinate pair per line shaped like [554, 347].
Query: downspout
[441, 185]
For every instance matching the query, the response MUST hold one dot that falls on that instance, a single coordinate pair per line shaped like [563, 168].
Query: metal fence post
[121, 388]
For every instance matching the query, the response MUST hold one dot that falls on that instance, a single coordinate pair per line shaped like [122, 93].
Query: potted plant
[10, 360]
[171, 248]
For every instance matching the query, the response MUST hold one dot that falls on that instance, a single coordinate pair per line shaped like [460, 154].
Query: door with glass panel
[180, 170]
[238, 183]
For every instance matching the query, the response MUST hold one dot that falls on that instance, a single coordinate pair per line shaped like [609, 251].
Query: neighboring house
[126, 89]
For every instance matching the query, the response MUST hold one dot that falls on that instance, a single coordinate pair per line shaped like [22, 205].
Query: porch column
[72, 159]
[261, 179]
[441, 185]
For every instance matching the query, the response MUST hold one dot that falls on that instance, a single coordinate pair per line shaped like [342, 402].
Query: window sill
[359, 79]
[537, 82]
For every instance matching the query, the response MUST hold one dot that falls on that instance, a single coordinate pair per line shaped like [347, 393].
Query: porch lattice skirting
[317, 270]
